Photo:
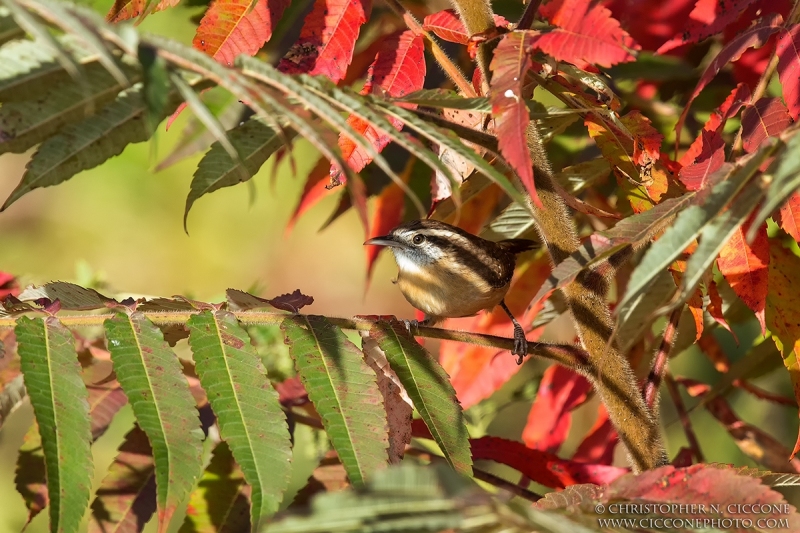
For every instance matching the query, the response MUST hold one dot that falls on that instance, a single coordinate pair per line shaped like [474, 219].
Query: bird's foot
[520, 344]
[411, 323]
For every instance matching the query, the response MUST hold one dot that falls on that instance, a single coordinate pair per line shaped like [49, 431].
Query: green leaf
[29, 67]
[429, 388]
[9, 29]
[247, 407]
[716, 235]
[514, 222]
[126, 498]
[29, 122]
[447, 99]
[86, 144]
[157, 88]
[60, 402]
[639, 313]
[255, 143]
[402, 498]
[689, 223]
[152, 378]
[785, 181]
[219, 503]
[344, 392]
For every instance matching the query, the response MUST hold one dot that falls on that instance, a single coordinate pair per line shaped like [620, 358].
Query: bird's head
[419, 243]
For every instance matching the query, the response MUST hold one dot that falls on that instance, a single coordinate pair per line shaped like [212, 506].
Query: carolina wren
[447, 272]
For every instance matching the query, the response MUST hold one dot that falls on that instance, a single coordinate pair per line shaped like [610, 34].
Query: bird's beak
[385, 240]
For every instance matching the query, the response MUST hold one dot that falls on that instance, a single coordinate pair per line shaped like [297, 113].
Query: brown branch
[529, 15]
[656, 374]
[572, 357]
[691, 438]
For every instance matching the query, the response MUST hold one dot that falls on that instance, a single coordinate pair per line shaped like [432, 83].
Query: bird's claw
[520, 344]
[411, 323]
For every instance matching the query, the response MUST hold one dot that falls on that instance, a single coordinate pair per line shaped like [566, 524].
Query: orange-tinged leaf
[714, 307]
[585, 33]
[389, 207]
[314, 190]
[708, 345]
[766, 118]
[477, 372]
[129, 9]
[230, 27]
[447, 26]
[398, 69]
[560, 391]
[327, 39]
[745, 267]
[478, 210]
[646, 139]
[510, 65]
[695, 301]
[790, 216]
[783, 314]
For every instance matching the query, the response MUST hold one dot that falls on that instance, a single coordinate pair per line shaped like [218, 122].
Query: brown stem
[691, 438]
[529, 15]
[659, 367]
[570, 356]
[445, 63]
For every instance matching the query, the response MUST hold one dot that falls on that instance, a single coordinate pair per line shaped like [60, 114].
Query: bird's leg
[427, 321]
[520, 342]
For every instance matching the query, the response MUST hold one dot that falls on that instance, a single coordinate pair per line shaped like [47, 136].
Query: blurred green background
[122, 223]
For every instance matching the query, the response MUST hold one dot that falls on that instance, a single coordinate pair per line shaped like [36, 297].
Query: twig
[572, 357]
[444, 61]
[529, 15]
[656, 374]
[691, 438]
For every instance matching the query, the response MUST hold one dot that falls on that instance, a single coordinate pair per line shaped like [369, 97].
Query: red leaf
[745, 267]
[128, 9]
[291, 302]
[542, 467]
[314, 191]
[389, 208]
[753, 37]
[790, 216]
[710, 159]
[651, 24]
[477, 372]
[767, 118]
[585, 33]
[447, 26]
[230, 28]
[646, 139]
[598, 445]
[8, 285]
[751, 66]
[738, 97]
[510, 65]
[708, 18]
[326, 42]
[560, 391]
[788, 51]
[398, 69]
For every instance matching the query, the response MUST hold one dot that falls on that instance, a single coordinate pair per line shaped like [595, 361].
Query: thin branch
[691, 438]
[568, 355]
[444, 61]
[529, 15]
[656, 374]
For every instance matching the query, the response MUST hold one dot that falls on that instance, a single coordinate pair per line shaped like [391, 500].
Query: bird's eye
[418, 239]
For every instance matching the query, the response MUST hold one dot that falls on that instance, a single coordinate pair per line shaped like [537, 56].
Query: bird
[447, 272]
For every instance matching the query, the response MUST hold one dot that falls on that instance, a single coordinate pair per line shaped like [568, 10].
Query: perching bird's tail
[517, 246]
